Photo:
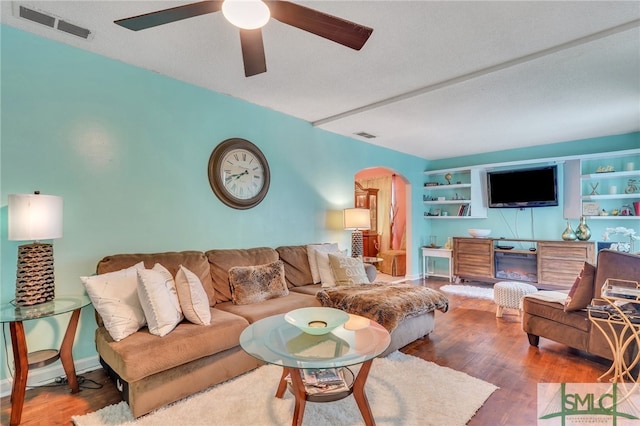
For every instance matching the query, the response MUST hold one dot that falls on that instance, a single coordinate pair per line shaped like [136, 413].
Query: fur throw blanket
[387, 304]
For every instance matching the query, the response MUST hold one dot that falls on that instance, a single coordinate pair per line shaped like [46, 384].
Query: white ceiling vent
[47, 19]
[366, 135]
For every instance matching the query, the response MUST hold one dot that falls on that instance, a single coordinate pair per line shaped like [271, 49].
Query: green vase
[583, 233]
[568, 234]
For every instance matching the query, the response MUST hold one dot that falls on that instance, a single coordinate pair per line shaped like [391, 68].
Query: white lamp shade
[246, 14]
[34, 217]
[357, 219]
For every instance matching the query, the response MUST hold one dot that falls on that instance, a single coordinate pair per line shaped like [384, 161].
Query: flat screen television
[534, 187]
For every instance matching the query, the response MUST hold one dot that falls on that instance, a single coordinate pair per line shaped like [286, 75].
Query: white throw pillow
[193, 299]
[159, 299]
[324, 267]
[313, 263]
[115, 296]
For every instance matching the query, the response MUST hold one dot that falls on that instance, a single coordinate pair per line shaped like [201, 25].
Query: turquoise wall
[128, 149]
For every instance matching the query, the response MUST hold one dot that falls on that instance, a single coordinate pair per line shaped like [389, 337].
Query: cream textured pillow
[324, 267]
[193, 299]
[159, 299]
[115, 297]
[313, 263]
[348, 270]
[253, 284]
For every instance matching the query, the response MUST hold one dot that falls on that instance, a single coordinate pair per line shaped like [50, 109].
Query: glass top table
[10, 312]
[275, 341]
[23, 360]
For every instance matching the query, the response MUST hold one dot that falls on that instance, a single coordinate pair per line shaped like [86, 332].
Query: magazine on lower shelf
[322, 380]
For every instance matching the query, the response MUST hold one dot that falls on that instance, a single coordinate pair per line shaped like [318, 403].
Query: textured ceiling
[436, 79]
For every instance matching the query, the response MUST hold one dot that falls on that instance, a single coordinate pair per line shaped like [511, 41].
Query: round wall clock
[239, 173]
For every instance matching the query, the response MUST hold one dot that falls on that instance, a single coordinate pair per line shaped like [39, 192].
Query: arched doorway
[393, 214]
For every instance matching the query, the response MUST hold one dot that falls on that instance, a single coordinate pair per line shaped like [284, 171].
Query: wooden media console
[544, 263]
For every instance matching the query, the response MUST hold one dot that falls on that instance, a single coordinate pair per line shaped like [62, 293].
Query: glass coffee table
[275, 341]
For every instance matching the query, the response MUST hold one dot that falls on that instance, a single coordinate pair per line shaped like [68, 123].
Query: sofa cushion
[279, 305]
[115, 298]
[554, 312]
[311, 289]
[312, 258]
[348, 270]
[581, 292]
[193, 299]
[142, 354]
[220, 261]
[159, 299]
[195, 261]
[297, 270]
[253, 284]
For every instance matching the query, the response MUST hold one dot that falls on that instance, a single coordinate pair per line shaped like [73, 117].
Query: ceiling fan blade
[166, 16]
[253, 52]
[330, 27]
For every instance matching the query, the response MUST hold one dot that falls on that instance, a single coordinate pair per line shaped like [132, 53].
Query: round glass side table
[275, 341]
[23, 360]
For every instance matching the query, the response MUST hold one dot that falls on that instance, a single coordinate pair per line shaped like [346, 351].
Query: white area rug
[402, 390]
[469, 291]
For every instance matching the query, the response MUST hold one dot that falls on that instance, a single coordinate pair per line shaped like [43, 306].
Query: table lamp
[356, 219]
[34, 217]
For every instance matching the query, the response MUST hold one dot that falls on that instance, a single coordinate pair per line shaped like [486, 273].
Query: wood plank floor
[468, 338]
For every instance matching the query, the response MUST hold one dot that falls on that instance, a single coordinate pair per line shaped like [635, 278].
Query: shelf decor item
[568, 234]
[583, 232]
[34, 217]
[590, 209]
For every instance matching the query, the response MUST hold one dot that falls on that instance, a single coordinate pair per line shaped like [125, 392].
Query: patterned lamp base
[35, 283]
[356, 244]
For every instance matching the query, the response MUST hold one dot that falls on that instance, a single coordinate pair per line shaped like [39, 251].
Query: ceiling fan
[336, 29]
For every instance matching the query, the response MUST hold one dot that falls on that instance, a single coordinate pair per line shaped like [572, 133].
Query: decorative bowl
[479, 233]
[316, 321]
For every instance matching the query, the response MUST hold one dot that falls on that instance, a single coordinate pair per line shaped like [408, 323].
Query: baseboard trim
[48, 374]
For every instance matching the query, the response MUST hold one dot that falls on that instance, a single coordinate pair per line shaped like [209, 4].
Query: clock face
[242, 174]
[239, 173]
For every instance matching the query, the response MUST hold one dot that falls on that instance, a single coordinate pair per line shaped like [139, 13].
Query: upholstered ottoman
[507, 294]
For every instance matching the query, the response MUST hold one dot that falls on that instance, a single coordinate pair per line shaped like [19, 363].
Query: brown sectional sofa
[547, 318]
[152, 371]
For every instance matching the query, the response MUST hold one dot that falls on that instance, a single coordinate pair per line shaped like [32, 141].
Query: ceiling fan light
[246, 14]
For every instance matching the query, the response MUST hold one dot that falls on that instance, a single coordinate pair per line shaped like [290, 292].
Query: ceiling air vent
[365, 135]
[48, 20]
[38, 17]
[73, 29]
